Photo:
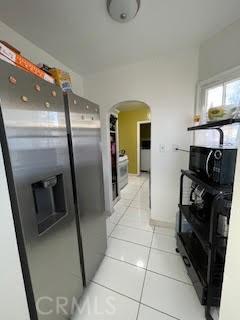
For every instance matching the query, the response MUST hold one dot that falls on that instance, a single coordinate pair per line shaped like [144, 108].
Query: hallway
[141, 277]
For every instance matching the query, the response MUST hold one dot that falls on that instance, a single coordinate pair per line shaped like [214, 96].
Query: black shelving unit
[201, 230]
[215, 125]
[203, 249]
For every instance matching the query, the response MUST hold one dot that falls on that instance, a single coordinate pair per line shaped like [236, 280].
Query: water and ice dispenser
[49, 201]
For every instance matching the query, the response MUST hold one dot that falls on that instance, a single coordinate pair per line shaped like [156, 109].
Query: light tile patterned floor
[141, 277]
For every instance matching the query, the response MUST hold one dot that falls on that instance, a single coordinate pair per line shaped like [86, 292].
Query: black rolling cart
[201, 247]
[200, 244]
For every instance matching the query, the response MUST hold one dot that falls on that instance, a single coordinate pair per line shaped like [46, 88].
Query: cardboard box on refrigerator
[62, 79]
[23, 63]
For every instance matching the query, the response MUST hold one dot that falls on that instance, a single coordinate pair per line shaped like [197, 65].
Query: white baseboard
[162, 224]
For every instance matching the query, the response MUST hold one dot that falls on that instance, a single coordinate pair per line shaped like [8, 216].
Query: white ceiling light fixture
[123, 10]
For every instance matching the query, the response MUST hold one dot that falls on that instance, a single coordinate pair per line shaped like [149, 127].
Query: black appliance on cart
[203, 243]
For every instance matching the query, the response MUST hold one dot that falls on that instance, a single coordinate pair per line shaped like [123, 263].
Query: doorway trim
[138, 144]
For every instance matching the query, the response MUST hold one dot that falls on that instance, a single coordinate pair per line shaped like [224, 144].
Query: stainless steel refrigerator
[83, 123]
[35, 148]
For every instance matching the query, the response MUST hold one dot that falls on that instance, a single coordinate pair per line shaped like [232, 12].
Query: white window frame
[215, 81]
[203, 86]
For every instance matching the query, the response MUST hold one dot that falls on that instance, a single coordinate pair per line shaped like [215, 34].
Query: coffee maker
[201, 202]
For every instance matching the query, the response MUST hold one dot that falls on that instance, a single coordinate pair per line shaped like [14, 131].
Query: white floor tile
[128, 252]
[99, 303]
[146, 313]
[129, 195]
[130, 188]
[172, 297]
[138, 212]
[146, 185]
[120, 209]
[115, 217]
[145, 189]
[110, 226]
[135, 181]
[145, 175]
[137, 218]
[140, 205]
[134, 177]
[164, 243]
[168, 264]
[123, 203]
[140, 202]
[133, 235]
[120, 277]
[165, 231]
[143, 193]
[141, 196]
[141, 177]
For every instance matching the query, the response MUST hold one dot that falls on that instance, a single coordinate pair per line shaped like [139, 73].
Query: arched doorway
[129, 145]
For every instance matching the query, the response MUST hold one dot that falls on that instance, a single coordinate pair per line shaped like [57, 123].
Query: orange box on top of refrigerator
[22, 62]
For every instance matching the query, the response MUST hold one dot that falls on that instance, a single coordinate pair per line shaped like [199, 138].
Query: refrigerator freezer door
[35, 147]
[84, 131]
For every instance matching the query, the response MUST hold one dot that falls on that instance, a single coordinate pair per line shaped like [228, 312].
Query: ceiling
[130, 106]
[80, 33]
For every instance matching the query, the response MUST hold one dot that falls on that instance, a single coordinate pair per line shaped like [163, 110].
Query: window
[227, 94]
[214, 97]
[232, 96]
[223, 93]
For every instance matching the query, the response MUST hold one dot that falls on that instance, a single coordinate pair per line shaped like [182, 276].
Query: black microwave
[216, 165]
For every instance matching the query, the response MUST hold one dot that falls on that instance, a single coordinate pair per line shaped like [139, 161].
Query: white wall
[12, 292]
[167, 85]
[36, 55]
[220, 53]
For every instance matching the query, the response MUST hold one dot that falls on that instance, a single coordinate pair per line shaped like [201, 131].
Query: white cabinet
[145, 160]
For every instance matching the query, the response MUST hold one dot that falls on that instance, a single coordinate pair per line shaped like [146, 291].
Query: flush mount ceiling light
[123, 10]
